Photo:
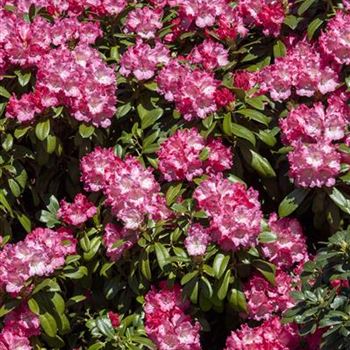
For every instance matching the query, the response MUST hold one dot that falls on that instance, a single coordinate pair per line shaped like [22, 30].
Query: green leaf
[15, 189]
[220, 264]
[33, 306]
[77, 274]
[279, 49]
[4, 92]
[145, 266]
[104, 325]
[7, 143]
[261, 165]
[48, 324]
[172, 193]
[25, 221]
[194, 293]
[4, 202]
[188, 277]
[340, 200]
[267, 237]
[292, 201]
[223, 285]
[86, 131]
[42, 129]
[151, 117]
[51, 142]
[255, 115]
[226, 124]
[292, 21]
[237, 300]
[313, 26]
[242, 132]
[96, 346]
[58, 302]
[162, 254]
[123, 109]
[267, 269]
[305, 6]
[23, 78]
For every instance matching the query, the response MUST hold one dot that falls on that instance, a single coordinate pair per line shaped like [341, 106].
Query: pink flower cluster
[202, 12]
[264, 299]
[209, 54]
[78, 212]
[268, 14]
[197, 240]
[19, 325]
[131, 190]
[314, 165]
[335, 40]
[144, 22]
[234, 212]
[180, 156]
[304, 69]
[192, 91]
[290, 248]
[117, 240]
[167, 323]
[39, 254]
[142, 60]
[72, 7]
[315, 123]
[315, 161]
[77, 79]
[270, 335]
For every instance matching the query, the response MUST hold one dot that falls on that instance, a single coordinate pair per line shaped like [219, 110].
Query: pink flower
[223, 97]
[265, 300]
[115, 319]
[39, 254]
[167, 324]
[142, 60]
[197, 240]
[180, 156]
[19, 325]
[335, 40]
[234, 211]
[303, 68]
[346, 4]
[244, 80]
[203, 12]
[270, 335]
[134, 193]
[144, 22]
[24, 109]
[209, 54]
[311, 124]
[77, 212]
[231, 24]
[263, 13]
[131, 190]
[192, 91]
[97, 168]
[124, 239]
[314, 165]
[290, 247]
[22, 321]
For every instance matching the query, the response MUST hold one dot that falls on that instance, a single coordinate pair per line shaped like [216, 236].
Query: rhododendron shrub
[168, 171]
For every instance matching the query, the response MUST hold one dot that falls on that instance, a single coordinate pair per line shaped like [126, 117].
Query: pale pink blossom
[314, 165]
[143, 21]
[233, 209]
[77, 212]
[197, 240]
[167, 323]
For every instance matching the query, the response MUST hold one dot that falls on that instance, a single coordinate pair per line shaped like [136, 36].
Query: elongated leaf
[292, 201]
